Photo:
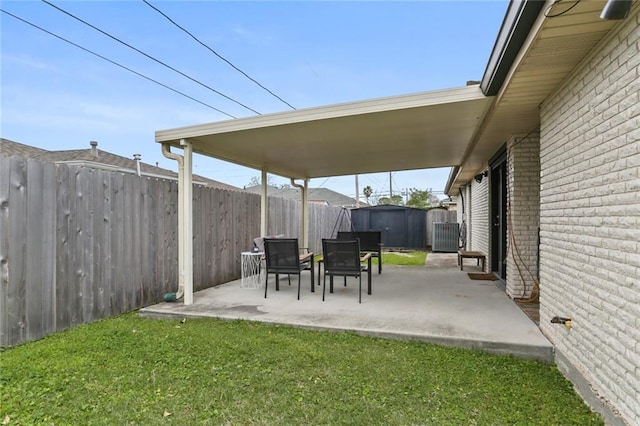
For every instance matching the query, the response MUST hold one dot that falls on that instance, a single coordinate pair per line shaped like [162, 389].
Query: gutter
[453, 174]
[517, 23]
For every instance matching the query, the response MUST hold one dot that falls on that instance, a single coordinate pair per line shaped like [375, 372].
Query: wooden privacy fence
[78, 244]
[324, 221]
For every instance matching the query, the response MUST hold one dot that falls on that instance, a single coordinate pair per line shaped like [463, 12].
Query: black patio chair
[370, 242]
[342, 258]
[282, 256]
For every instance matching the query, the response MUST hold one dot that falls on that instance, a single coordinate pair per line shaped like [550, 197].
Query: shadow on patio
[436, 303]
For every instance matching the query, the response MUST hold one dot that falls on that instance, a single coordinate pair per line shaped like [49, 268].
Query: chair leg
[360, 288]
[299, 278]
[369, 278]
[266, 284]
[379, 263]
[345, 280]
[324, 284]
[331, 284]
[277, 282]
[313, 284]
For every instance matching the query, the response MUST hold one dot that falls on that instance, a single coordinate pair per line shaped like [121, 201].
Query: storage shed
[401, 227]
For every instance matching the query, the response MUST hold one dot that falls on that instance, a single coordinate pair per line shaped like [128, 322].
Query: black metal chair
[370, 242]
[282, 256]
[342, 258]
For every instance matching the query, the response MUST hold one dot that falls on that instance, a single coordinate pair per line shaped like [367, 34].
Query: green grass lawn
[412, 258]
[131, 370]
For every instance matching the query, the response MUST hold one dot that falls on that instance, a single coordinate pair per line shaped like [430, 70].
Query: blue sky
[56, 96]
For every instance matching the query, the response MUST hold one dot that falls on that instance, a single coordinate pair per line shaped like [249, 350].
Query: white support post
[304, 223]
[263, 205]
[187, 193]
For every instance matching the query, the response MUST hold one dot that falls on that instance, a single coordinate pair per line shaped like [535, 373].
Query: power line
[323, 182]
[217, 54]
[115, 63]
[375, 180]
[149, 56]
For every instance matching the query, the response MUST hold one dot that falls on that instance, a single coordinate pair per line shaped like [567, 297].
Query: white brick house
[590, 217]
[573, 201]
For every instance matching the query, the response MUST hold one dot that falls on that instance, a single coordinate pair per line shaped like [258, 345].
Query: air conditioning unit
[445, 237]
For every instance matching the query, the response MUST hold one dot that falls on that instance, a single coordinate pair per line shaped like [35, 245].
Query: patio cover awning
[424, 130]
[416, 131]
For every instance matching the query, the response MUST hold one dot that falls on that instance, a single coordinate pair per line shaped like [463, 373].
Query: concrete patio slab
[436, 303]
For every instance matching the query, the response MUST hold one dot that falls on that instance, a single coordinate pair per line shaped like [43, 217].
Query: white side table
[252, 270]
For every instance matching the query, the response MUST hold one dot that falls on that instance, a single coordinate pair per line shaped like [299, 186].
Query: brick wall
[523, 213]
[590, 218]
[478, 239]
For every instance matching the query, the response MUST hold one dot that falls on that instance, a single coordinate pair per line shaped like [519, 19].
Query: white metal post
[304, 222]
[187, 191]
[263, 205]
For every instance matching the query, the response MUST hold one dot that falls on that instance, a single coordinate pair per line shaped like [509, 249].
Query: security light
[479, 177]
[616, 9]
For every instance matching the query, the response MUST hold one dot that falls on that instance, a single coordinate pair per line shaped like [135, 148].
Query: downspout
[172, 297]
[304, 225]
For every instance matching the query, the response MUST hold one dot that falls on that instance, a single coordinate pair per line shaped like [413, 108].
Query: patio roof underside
[456, 127]
[401, 133]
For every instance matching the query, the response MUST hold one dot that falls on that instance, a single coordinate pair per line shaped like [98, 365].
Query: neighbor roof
[329, 196]
[86, 157]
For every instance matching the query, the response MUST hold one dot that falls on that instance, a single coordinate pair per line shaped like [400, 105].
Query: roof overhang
[417, 131]
[531, 58]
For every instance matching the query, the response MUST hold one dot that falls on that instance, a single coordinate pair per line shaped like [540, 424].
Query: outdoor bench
[479, 256]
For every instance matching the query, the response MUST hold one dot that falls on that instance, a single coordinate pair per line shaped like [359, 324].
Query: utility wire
[115, 63]
[548, 14]
[149, 56]
[216, 53]
[323, 182]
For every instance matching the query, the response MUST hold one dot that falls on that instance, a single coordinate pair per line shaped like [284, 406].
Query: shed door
[393, 226]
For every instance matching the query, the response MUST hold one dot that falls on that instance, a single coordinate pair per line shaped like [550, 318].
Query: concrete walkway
[436, 303]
